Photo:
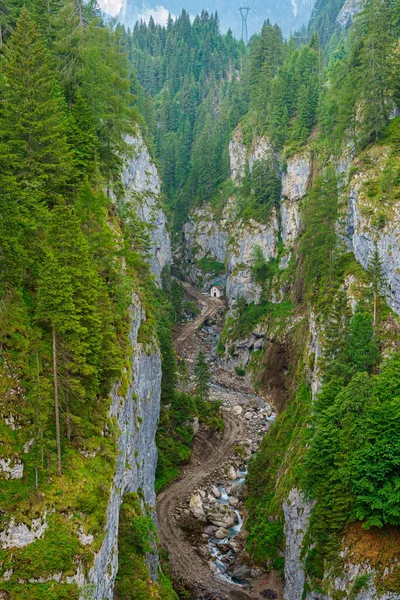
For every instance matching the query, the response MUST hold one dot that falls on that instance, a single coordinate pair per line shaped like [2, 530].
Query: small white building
[217, 290]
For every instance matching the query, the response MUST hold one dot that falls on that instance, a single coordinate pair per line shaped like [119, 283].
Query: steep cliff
[277, 333]
[65, 542]
[143, 188]
[221, 248]
[136, 414]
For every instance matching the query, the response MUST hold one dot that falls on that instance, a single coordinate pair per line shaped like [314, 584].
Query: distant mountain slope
[289, 14]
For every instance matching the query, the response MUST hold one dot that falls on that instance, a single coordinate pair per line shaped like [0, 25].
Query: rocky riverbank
[207, 505]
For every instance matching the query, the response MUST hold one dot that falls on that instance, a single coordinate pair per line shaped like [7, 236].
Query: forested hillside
[190, 74]
[277, 165]
[77, 302]
[317, 146]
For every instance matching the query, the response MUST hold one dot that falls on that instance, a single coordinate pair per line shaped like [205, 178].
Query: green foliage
[350, 463]
[210, 265]
[284, 444]
[261, 190]
[319, 241]
[136, 538]
[192, 72]
[203, 377]
[247, 316]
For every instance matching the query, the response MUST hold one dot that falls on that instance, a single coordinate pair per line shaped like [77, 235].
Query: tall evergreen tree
[202, 374]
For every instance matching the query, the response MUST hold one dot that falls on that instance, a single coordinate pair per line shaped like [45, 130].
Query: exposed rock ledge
[143, 187]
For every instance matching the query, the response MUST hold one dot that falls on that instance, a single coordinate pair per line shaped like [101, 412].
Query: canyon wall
[369, 218]
[134, 412]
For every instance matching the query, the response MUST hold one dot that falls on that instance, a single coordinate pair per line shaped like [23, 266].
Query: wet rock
[213, 566]
[235, 546]
[255, 573]
[196, 507]
[216, 491]
[237, 491]
[221, 533]
[241, 573]
[210, 530]
[234, 502]
[222, 515]
[231, 473]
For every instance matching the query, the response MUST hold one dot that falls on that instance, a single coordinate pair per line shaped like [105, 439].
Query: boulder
[222, 515]
[196, 507]
[221, 533]
[216, 491]
[237, 410]
[234, 501]
[240, 573]
[231, 473]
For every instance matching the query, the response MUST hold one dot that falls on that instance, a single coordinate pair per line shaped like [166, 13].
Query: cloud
[111, 7]
[159, 14]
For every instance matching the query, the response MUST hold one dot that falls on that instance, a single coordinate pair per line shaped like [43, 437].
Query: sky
[159, 13]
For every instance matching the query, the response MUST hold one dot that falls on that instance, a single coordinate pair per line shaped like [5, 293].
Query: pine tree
[203, 376]
[373, 32]
[68, 303]
[379, 284]
[33, 126]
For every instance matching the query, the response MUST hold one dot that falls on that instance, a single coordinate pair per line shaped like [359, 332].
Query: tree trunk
[56, 406]
[374, 322]
[68, 416]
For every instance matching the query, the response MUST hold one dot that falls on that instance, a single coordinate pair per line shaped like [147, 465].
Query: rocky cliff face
[136, 414]
[295, 182]
[137, 411]
[134, 408]
[367, 222]
[227, 239]
[143, 187]
[297, 513]
[371, 222]
[348, 11]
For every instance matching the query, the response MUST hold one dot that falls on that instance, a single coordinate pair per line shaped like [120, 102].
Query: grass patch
[210, 265]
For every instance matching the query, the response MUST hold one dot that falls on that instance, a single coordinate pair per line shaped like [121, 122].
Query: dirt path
[210, 452]
[209, 307]
[186, 564]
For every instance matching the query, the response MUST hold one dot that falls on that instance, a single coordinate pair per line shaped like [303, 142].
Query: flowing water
[220, 550]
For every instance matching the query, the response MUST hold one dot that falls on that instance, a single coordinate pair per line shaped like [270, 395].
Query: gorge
[158, 441]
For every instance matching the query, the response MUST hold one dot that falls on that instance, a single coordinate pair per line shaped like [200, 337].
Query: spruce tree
[203, 376]
[33, 126]
[68, 300]
[379, 284]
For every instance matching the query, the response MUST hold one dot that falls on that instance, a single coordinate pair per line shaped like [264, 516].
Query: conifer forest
[199, 300]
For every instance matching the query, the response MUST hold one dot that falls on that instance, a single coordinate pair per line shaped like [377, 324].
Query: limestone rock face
[231, 242]
[348, 11]
[362, 234]
[137, 416]
[143, 188]
[20, 535]
[297, 513]
[237, 156]
[222, 515]
[295, 183]
[13, 469]
[240, 259]
[241, 157]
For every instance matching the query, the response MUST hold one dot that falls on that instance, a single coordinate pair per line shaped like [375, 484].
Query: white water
[224, 556]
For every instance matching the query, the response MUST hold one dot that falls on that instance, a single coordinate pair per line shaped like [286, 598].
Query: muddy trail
[212, 457]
